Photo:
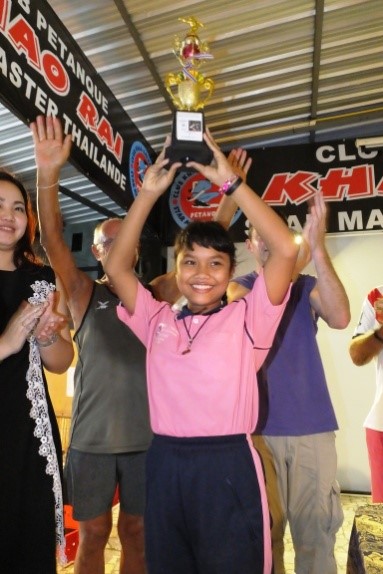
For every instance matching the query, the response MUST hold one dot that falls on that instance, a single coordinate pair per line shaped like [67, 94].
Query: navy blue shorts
[203, 507]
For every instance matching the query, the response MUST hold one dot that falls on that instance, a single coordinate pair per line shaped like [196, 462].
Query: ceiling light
[369, 142]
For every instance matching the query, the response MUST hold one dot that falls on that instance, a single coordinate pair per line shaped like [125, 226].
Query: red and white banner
[44, 71]
[286, 177]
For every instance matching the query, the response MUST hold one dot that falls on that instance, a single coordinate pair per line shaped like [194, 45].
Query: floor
[350, 503]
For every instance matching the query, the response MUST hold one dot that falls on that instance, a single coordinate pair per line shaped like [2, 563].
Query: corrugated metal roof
[285, 71]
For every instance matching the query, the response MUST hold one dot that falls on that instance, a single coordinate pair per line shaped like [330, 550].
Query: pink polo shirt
[212, 390]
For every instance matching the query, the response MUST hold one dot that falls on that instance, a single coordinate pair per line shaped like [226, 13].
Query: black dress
[27, 505]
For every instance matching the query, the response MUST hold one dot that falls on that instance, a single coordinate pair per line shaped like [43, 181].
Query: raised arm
[51, 152]
[240, 164]
[278, 238]
[119, 264]
[328, 298]
[227, 207]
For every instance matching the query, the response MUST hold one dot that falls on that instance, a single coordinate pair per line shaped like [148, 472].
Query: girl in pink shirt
[206, 509]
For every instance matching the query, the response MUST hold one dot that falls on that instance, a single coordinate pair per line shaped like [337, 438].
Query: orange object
[69, 522]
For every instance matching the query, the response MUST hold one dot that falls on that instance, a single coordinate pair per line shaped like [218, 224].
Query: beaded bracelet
[377, 336]
[48, 342]
[230, 185]
[47, 186]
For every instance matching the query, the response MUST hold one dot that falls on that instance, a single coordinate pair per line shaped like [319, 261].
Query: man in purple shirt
[295, 435]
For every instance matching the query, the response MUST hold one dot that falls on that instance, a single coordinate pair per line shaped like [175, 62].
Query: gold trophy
[189, 90]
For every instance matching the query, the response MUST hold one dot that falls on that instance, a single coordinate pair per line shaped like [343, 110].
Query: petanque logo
[139, 161]
[193, 198]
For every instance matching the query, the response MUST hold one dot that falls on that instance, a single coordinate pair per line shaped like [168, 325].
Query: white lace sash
[39, 412]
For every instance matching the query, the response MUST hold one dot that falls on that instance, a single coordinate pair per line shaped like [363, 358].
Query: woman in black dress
[34, 334]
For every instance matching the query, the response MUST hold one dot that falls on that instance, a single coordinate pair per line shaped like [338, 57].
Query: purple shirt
[294, 397]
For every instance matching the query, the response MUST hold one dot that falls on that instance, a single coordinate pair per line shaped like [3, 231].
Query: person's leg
[222, 502]
[374, 440]
[131, 534]
[271, 451]
[314, 507]
[91, 483]
[94, 535]
[131, 480]
[166, 546]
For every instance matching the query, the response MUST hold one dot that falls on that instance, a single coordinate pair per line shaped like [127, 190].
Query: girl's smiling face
[13, 216]
[202, 275]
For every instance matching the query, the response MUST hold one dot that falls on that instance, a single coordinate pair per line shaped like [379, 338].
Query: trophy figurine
[189, 90]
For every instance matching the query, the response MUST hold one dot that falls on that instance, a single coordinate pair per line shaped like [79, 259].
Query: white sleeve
[367, 319]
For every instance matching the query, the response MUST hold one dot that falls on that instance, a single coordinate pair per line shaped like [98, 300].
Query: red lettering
[118, 147]
[105, 133]
[379, 187]
[55, 73]
[295, 187]
[354, 183]
[88, 114]
[25, 40]
[5, 9]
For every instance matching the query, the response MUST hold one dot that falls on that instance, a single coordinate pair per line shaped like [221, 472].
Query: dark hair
[24, 249]
[206, 234]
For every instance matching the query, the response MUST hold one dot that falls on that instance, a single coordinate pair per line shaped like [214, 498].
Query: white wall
[358, 261]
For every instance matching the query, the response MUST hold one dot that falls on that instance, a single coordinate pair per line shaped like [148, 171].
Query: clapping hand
[51, 321]
[314, 230]
[21, 326]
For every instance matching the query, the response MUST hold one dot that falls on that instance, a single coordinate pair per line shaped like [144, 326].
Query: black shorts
[91, 481]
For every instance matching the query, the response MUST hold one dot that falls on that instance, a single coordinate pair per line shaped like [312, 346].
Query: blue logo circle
[139, 161]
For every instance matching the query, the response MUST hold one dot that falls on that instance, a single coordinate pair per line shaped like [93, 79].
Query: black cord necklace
[191, 338]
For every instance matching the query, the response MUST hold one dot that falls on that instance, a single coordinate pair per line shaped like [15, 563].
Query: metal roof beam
[144, 53]
[87, 202]
[318, 33]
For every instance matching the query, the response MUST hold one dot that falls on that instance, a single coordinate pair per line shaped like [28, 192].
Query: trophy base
[187, 139]
[185, 152]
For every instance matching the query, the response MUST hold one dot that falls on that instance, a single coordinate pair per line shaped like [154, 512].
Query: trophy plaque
[189, 90]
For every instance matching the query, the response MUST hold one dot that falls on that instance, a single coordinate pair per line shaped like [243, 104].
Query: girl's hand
[52, 148]
[51, 321]
[240, 163]
[157, 178]
[220, 170]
